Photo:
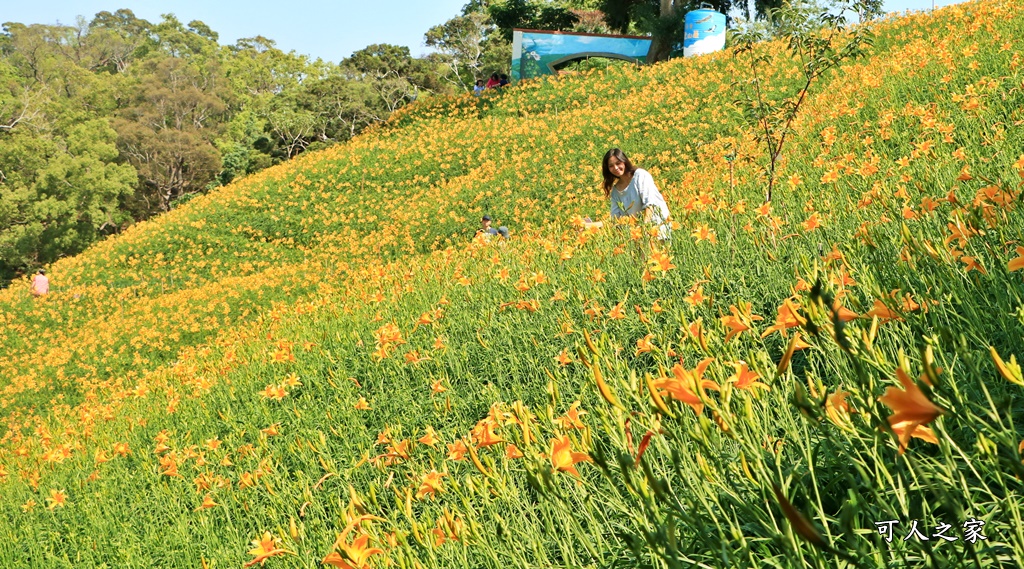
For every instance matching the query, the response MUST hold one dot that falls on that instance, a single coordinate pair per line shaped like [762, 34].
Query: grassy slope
[316, 236]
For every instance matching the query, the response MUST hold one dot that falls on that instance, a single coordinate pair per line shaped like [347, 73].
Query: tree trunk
[661, 43]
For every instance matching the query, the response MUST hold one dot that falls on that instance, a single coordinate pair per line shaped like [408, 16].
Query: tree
[344, 105]
[618, 14]
[393, 73]
[259, 76]
[667, 30]
[63, 196]
[818, 44]
[124, 37]
[461, 42]
[869, 9]
[529, 14]
[167, 131]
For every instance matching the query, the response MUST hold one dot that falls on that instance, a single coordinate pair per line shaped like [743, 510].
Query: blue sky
[329, 30]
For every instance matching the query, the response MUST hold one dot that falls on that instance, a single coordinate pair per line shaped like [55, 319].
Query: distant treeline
[113, 120]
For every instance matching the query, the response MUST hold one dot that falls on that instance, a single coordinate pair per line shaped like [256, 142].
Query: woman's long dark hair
[609, 179]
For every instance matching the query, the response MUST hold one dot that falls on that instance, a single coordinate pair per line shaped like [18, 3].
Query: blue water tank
[705, 32]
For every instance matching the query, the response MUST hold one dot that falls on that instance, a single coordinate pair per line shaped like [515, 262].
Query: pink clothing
[40, 285]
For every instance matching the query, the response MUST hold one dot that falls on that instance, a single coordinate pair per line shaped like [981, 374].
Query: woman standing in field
[632, 192]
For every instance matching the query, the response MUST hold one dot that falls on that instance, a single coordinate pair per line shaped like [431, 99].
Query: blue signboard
[536, 53]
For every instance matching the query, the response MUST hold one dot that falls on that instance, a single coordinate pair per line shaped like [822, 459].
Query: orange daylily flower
[972, 265]
[563, 458]
[704, 233]
[431, 484]
[246, 480]
[356, 554]
[399, 449]
[660, 261]
[362, 404]
[695, 296]
[57, 499]
[740, 320]
[483, 433]
[571, 419]
[789, 317]
[882, 312]
[272, 430]
[842, 313]
[414, 357]
[169, 465]
[449, 530]
[745, 378]
[275, 392]
[425, 319]
[812, 222]
[457, 450]
[1017, 263]
[906, 429]
[281, 356]
[594, 311]
[207, 503]
[911, 408]
[430, 438]
[563, 358]
[684, 385]
[512, 451]
[644, 345]
[838, 410]
[265, 548]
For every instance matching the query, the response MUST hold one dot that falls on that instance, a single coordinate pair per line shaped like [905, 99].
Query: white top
[640, 194]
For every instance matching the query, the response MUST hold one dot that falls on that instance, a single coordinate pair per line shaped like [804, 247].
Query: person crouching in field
[632, 192]
[488, 231]
[40, 284]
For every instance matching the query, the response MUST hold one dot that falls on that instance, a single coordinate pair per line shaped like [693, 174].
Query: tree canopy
[116, 119]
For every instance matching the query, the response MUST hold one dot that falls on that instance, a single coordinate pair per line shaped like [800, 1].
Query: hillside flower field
[320, 365]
